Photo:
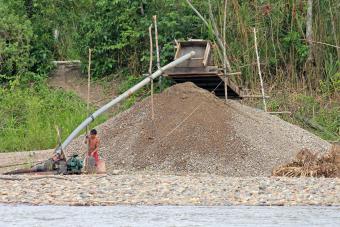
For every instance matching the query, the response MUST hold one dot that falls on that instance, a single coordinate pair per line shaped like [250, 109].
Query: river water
[23, 215]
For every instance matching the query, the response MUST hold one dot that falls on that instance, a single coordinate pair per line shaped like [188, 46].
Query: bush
[118, 33]
[29, 117]
[316, 114]
[15, 36]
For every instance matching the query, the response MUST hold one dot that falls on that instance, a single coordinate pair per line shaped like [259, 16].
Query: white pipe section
[121, 97]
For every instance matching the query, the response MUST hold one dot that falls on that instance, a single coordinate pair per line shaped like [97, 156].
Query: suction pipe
[120, 98]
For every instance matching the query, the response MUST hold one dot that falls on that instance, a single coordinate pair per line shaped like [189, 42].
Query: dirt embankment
[69, 78]
[193, 131]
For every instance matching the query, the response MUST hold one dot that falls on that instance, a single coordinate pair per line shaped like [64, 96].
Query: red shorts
[95, 156]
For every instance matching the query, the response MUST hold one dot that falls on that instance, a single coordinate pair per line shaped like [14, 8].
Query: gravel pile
[193, 131]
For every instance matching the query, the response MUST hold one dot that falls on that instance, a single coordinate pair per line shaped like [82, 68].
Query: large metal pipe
[121, 97]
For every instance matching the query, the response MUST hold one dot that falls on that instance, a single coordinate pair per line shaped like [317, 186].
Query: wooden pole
[224, 52]
[62, 154]
[220, 42]
[334, 29]
[259, 69]
[150, 72]
[157, 50]
[255, 96]
[280, 112]
[88, 86]
[215, 31]
[326, 44]
[309, 22]
[88, 108]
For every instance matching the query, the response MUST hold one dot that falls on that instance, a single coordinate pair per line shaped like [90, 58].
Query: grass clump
[29, 117]
[318, 114]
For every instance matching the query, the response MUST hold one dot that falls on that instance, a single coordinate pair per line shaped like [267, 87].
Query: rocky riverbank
[149, 188]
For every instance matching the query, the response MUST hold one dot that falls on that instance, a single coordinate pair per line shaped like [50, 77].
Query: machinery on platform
[201, 70]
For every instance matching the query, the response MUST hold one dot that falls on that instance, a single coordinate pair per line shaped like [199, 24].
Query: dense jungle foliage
[302, 77]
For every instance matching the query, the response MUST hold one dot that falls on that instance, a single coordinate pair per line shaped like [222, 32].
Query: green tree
[118, 32]
[15, 37]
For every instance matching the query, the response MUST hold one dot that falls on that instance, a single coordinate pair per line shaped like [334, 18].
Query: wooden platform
[200, 70]
[211, 82]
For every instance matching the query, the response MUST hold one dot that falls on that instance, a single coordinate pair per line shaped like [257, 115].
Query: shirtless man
[93, 145]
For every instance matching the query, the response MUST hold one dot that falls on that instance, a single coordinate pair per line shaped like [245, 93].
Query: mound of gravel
[193, 131]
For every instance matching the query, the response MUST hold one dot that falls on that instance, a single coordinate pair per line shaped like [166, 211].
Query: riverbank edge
[163, 189]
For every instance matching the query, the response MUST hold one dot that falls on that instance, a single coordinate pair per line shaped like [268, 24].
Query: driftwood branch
[49, 177]
[10, 178]
[17, 164]
[34, 178]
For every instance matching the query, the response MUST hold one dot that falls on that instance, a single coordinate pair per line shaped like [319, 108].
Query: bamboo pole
[150, 73]
[88, 108]
[61, 154]
[309, 37]
[322, 43]
[255, 96]
[280, 112]
[198, 13]
[88, 86]
[334, 30]
[259, 69]
[224, 52]
[157, 50]
[215, 32]
[309, 22]
[218, 37]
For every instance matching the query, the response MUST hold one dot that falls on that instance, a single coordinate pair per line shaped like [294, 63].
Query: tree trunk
[309, 37]
[309, 27]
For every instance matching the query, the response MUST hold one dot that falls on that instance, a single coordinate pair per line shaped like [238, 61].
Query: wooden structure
[201, 70]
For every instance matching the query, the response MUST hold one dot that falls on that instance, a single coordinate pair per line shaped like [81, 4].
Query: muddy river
[23, 215]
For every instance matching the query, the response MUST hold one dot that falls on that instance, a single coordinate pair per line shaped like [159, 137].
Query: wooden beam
[281, 112]
[255, 96]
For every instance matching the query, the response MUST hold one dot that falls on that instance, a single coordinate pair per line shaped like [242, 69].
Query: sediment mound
[193, 131]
